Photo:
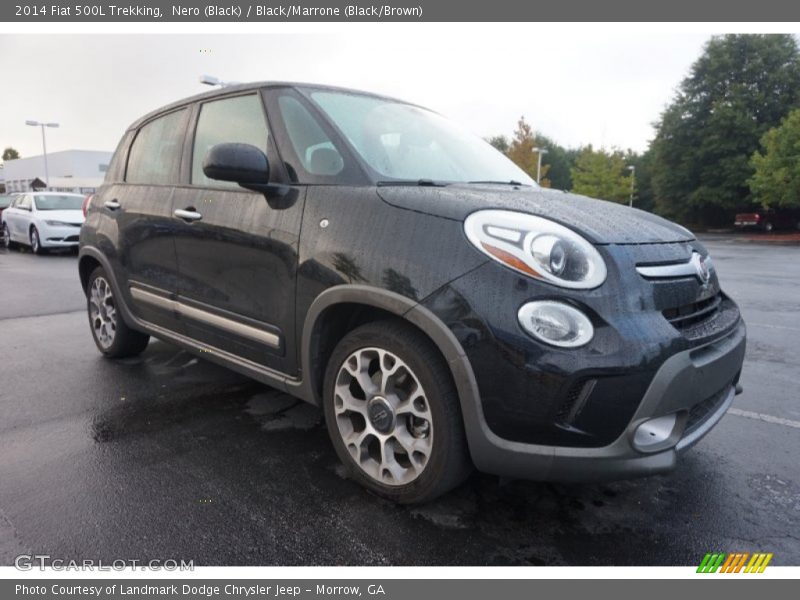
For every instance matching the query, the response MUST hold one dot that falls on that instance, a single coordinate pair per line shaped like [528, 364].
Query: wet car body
[288, 269]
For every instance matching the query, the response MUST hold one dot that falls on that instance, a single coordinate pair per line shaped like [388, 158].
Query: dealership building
[80, 171]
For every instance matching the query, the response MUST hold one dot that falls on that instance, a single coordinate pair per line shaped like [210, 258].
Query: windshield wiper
[512, 182]
[414, 182]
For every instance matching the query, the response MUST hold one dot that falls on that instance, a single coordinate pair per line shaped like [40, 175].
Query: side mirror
[240, 163]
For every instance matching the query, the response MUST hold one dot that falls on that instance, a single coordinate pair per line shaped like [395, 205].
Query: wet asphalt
[166, 456]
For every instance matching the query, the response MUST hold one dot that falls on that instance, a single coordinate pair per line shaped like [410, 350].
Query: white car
[43, 220]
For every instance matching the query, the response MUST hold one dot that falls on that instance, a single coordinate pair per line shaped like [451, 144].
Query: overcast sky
[601, 88]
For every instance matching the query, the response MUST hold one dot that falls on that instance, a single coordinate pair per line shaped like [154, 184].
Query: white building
[80, 171]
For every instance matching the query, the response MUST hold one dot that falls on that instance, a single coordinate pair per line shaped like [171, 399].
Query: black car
[368, 256]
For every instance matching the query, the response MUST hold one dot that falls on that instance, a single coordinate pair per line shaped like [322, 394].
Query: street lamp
[44, 147]
[632, 169]
[539, 152]
[212, 81]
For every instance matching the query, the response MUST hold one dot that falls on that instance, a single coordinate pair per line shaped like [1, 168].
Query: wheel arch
[368, 303]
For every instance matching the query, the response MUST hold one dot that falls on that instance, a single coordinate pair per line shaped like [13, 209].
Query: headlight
[536, 247]
[57, 224]
[556, 323]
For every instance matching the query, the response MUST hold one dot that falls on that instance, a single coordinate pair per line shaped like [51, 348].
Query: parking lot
[167, 456]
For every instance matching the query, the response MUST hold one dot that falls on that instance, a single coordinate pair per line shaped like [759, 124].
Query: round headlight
[556, 323]
[550, 253]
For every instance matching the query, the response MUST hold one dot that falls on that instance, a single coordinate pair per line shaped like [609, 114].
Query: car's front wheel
[393, 414]
[36, 241]
[111, 335]
[7, 241]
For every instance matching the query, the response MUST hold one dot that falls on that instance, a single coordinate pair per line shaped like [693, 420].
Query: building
[80, 171]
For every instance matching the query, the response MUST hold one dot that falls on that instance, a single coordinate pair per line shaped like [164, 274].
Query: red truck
[769, 220]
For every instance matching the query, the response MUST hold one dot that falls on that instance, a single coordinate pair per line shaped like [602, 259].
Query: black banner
[193, 11]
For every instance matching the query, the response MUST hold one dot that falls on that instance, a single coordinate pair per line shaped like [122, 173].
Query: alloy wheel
[6, 236]
[102, 312]
[383, 416]
[35, 241]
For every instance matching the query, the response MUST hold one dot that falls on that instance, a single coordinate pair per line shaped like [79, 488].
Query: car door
[236, 248]
[20, 218]
[140, 209]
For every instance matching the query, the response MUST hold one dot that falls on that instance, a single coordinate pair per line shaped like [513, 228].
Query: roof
[255, 85]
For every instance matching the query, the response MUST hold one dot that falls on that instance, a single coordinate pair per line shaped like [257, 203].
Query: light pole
[632, 169]
[539, 152]
[44, 147]
[212, 81]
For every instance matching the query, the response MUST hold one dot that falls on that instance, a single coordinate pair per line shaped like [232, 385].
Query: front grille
[72, 238]
[574, 400]
[701, 411]
[687, 316]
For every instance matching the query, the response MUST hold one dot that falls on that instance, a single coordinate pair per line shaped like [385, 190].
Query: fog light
[556, 323]
[653, 433]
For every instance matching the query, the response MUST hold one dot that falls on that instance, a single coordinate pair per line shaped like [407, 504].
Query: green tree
[602, 174]
[776, 170]
[559, 161]
[521, 151]
[500, 142]
[10, 154]
[740, 87]
[644, 197]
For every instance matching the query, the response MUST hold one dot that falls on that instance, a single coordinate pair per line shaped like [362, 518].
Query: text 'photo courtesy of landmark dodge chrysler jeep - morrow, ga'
[372, 258]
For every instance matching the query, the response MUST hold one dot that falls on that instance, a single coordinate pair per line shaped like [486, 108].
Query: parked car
[370, 257]
[43, 220]
[769, 220]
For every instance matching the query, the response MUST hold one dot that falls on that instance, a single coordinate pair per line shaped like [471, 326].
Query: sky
[576, 85]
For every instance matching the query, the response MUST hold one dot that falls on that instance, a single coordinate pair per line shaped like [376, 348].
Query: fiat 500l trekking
[368, 256]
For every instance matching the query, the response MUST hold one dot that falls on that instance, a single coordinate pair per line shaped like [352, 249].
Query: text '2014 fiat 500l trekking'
[368, 256]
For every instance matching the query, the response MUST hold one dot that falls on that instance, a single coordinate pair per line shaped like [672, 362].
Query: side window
[155, 155]
[314, 149]
[232, 120]
[24, 203]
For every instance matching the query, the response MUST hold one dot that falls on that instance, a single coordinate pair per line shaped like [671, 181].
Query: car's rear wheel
[393, 414]
[36, 242]
[7, 242]
[111, 335]
[768, 227]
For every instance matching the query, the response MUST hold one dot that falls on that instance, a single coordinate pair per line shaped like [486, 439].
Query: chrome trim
[187, 215]
[690, 268]
[197, 314]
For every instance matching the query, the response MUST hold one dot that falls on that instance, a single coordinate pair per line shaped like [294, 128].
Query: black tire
[125, 341]
[36, 242]
[7, 238]
[448, 463]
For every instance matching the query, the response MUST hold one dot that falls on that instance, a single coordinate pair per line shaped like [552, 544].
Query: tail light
[758, 217]
[86, 202]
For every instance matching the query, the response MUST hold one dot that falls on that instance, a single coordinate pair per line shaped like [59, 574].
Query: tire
[7, 238]
[405, 436]
[111, 335]
[36, 242]
[768, 227]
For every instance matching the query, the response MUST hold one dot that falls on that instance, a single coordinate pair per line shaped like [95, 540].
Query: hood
[67, 216]
[599, 221]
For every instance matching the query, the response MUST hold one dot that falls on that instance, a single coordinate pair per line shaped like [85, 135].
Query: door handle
[188, 214]
[112, 204]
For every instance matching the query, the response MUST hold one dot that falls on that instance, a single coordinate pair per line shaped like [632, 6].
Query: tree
[602, 174]
[776, 170]
[10, 154]
[521, 151]
[500, 142]
[559, 161]
[739, 88]
[643, 164]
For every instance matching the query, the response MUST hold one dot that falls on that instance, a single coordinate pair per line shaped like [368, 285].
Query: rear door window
[155, 155]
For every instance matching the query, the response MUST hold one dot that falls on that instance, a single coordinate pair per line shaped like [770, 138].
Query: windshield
[58, 202]
[404, 142]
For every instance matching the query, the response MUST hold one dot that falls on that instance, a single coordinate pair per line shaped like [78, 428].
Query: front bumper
[697, 385]
[56, 236]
